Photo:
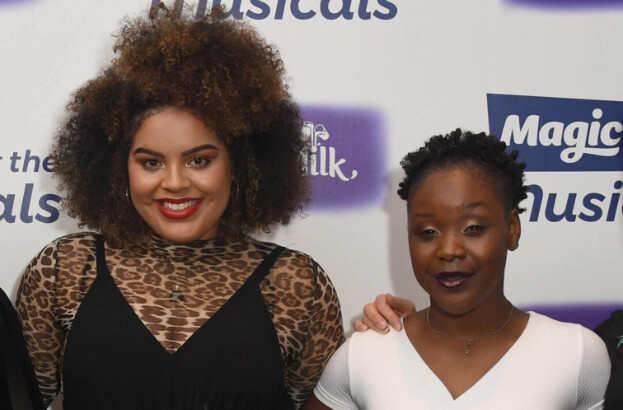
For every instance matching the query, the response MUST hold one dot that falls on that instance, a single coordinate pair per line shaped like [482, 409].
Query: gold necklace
[469, 342]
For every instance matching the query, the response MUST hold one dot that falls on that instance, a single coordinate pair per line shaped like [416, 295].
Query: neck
[484, 319]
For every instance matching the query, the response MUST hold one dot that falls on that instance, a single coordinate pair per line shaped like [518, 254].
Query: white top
[553, 365]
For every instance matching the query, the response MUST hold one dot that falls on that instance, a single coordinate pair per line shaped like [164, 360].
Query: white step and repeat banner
[375, 79]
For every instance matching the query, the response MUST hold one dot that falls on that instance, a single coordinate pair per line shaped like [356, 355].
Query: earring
[127, 193]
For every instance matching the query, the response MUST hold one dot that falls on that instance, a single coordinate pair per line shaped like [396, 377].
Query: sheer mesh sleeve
[35, 307]
[49, 294]
[308, 320]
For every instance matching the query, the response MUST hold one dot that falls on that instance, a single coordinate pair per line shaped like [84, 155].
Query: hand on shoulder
[386, 309]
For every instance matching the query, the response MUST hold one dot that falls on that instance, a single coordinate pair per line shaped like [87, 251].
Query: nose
[450, 247]
[175, 179]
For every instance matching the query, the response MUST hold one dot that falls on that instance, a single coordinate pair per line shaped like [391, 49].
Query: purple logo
[347, 156]
[559, 134]
[14, 2]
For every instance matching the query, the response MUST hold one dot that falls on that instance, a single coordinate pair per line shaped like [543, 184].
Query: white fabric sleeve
[333, 388]
[594, 372]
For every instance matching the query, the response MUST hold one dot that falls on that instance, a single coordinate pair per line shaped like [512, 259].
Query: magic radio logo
[560, 134]
[301, 9]
[346, 159]
[563, 135]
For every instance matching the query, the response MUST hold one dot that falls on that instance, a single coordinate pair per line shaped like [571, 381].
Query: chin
[179, 237]
[454, 307]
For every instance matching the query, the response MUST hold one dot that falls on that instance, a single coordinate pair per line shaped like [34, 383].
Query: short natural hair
[220, 70]
[465, 148]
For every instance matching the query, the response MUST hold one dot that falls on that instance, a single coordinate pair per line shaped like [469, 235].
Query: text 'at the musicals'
[48, 204]
[298, 9]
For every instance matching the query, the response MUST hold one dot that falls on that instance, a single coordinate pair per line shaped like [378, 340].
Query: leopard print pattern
[174, 290]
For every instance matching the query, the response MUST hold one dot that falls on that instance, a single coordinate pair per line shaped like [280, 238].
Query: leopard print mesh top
[174, 290]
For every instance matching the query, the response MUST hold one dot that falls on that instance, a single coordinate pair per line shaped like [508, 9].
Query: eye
[198, 162]
[475, 229]
[427, 233]
[152, 163]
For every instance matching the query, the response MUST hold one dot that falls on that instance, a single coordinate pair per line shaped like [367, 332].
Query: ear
[514, 232]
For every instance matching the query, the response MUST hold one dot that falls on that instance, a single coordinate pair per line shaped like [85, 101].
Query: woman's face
[459, 234]
[180, 176]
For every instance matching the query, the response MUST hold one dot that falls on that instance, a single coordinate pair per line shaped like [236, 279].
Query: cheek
[500, 256]
[134, 179]
[418, 255]
[225, 190]
[139, 180]
[493, 255]
[135, 171]
[222, 180]
[214, 181]
[142, 184]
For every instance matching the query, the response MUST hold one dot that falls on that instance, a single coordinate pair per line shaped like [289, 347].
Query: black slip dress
[233, 361]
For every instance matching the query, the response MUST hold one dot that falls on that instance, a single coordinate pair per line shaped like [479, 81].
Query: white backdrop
[415, 69]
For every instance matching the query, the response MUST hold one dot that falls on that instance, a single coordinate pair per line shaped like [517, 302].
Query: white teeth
[451, 283]
[177, 207]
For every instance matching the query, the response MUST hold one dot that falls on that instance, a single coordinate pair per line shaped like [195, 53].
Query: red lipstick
[178, 208]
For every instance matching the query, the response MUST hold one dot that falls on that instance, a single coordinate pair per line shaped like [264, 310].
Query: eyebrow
[473, 205]
[465, 207]
[423, 215]
[147, 151]
[141, 150]
[199, 148]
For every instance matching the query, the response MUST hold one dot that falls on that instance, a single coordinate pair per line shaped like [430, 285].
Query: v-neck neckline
[251, 280]
[136, 318]
[440, 385]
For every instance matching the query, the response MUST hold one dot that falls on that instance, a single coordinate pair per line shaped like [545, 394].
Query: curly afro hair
[218, 69]
[465, 148]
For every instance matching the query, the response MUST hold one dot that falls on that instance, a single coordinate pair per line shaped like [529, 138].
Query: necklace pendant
[468, 342]
[177, 295]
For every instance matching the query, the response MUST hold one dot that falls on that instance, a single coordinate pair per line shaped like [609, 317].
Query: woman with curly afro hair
[471, 348]
[187, 143]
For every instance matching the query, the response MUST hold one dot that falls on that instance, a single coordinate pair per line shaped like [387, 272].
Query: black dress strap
[18, 385]
[264, 267]
[100, 253]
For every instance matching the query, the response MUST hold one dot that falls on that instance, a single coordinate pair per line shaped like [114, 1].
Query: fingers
[385, 305]
[385, 309]
[402, 307]
[373, 319]
[359, 326]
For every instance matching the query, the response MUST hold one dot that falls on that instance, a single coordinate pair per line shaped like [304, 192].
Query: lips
[452, 280]
[178, 208]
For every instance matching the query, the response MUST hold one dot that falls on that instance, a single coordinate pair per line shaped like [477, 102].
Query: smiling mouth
[452, 280]
[178, 209]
